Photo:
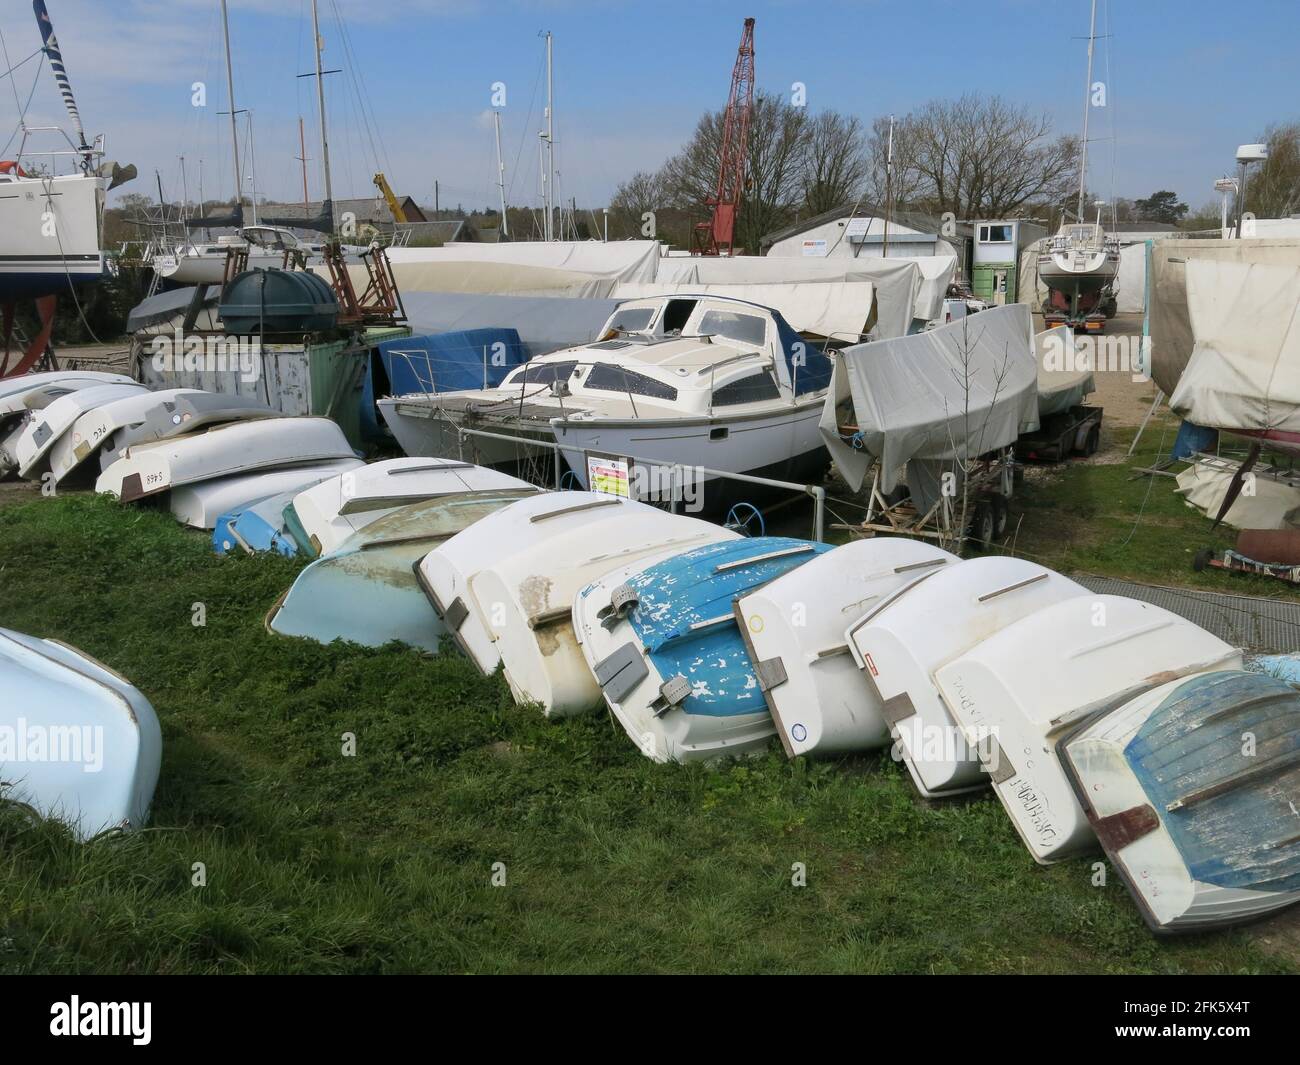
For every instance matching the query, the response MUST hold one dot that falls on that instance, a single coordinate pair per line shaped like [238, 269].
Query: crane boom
[717, 235]
[381, 183]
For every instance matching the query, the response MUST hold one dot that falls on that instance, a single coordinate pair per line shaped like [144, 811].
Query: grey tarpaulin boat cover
[954, 392]
[544, 323]
[1063, 377]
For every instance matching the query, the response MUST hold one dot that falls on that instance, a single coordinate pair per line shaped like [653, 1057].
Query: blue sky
[1188, 81]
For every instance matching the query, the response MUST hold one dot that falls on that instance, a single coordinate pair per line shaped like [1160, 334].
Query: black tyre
[981, 525]
[1092, 444]
[1000, 516]
[1201, 559]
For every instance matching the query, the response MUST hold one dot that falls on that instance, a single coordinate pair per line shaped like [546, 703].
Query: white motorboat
[903, 641]
[1192, 789]
[78, 743]
[505, 587]
[684, 383]
[95, 428]
[324, 516]
[1018, 691]
[661, 638]
[365, 590]
[240, 447]
[821, 701]
[201, 504]
[47, 426]
[203, 262]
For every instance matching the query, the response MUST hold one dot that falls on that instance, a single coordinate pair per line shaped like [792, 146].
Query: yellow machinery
[381, 183]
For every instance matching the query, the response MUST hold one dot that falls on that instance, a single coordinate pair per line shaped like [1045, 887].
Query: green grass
[382, 862]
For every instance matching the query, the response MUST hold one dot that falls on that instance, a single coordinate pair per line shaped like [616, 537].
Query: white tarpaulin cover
[1272, 506]
[1171, 332]
[1060, 384]
[1131, 285]
[952, 393]
[1244, 371]
[840, 310]
[906, 289]
[585, 269]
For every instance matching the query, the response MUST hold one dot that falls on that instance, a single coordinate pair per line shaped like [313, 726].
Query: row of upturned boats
[1098, 721]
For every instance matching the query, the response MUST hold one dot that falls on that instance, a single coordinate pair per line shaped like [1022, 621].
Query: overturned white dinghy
[47, 425]
[901, 643]
[240, 447]
[1016, 693]
[327, 514]
[78, 743]
[20, 396]
[820, 700]
[1192, 789]
[93, 430]
[663, 642]
[186, 414]
[365, 590]
[506, 586]
[200, 504]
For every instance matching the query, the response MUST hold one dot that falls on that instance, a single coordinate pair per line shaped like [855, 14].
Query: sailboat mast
[320, 99]
[230, 92]
[1087, 106]
[550, 142]
[501, 175]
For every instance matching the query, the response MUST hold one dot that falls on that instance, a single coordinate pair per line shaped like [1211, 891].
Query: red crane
[715, 237]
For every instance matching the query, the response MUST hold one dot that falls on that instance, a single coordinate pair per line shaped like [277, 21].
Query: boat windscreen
[746, 328]
[606, 378]
[632, 319]
[542, 373]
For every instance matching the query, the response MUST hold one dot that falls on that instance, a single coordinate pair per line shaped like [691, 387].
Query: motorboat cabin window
[632, 319]
[749, 389]
[746, 328]
[995, 234]
[542, 373]
[606, 378]
[676, 315]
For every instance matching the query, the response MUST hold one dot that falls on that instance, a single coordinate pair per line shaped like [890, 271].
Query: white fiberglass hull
[927, 624]
[200, 504]
[49, 235]
[820, 699]
[531, 560]
[240, 447]
[47, 427]
[332, 511]
[1025, 685]
[93, 430]
[85, 746]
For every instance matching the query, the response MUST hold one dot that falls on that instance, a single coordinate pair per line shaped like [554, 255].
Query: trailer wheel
[998, 504]
[1093, 443]
[1201, 559]
[981, 526]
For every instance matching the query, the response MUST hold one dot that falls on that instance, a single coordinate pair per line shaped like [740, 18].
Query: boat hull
[50, 235]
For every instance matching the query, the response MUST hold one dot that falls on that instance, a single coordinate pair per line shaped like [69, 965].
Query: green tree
[1162, 206]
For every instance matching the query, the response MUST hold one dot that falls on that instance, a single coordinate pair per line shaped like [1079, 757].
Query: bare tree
[642, 192]
[976, 157]
[777, 133]
[1273, 189]
[834, 164]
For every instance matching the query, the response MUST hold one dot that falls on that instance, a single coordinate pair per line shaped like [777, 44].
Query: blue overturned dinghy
[257, 527]
[78, 743]
[665, 648]
[1193, 789]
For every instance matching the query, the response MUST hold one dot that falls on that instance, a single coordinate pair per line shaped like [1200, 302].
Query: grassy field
[383, 862]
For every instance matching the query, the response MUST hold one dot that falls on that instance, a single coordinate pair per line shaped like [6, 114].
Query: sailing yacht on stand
[51, 224]
[1080, 263]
